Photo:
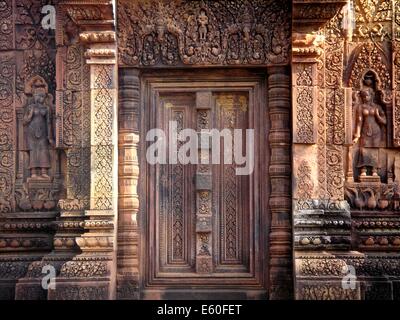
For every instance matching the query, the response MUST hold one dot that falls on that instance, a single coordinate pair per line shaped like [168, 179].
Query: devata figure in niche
[203, 21]
[370, 117]
[38, 136]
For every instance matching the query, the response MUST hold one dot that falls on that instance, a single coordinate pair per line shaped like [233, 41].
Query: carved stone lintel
[203, 33]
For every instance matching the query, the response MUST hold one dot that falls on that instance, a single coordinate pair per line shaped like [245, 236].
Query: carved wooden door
[204, 221]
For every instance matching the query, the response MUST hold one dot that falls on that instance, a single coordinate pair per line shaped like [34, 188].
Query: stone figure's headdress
[35, 85]
[364, 93]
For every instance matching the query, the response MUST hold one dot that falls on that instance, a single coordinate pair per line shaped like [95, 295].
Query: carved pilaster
[280, 168]
[320, 222]
[128, 174]
[306, 51]
[396, 73]
[91, 274]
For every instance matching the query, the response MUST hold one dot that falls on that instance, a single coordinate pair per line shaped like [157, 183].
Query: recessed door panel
[205, 222]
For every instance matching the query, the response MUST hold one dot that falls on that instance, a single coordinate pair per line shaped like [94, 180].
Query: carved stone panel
[203, 32]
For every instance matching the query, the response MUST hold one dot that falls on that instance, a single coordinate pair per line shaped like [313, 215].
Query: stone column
[280, 236]
[128, 173]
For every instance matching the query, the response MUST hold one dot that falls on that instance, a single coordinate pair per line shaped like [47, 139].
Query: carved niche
[203, 32]
[37, 183]
[373, 175]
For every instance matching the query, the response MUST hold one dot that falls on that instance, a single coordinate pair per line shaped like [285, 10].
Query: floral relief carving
[396, 111]
[35, 63]
[305, 118]
[7, 140]
[335, 122]
[373, 19]
[369, 56]
[335, 169]
[326, 292]
[321, 143]
[304, 75]
[84, 269]
[13, 269]
[304, 182]
[370, 265]
[6, 25]
[76, 292]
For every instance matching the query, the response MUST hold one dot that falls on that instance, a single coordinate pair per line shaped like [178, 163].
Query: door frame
[262, 159]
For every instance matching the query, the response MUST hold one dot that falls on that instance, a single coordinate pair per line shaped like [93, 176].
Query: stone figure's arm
[359, 120]
[380, 115]
[49, 127]
[27, 115]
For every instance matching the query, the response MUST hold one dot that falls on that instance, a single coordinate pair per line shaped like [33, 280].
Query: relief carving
[370, 125]
[203, 32]
[372, 183]
[373, 19]
[6, 25]
[304, 181]
[7, 140]
[38, 128]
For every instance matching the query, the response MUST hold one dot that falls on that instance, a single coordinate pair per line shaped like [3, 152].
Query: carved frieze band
[370, 265]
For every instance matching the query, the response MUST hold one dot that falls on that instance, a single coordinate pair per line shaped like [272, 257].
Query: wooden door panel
[232, 219]
[202, 221]
[175, 218]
